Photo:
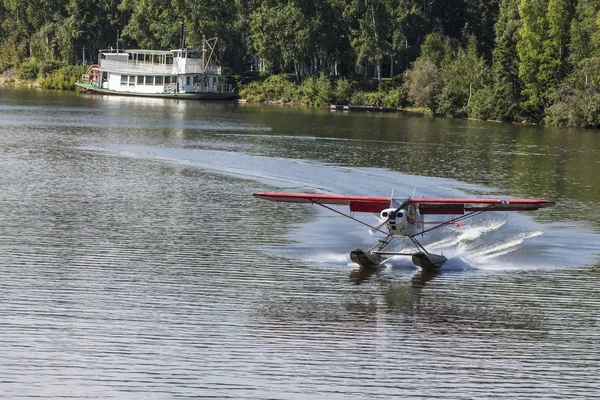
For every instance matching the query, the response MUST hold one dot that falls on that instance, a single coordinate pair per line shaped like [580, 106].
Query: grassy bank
[46, 75]
[321, 90]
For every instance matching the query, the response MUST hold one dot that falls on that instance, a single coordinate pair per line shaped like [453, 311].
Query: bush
[275, 88]
[580, 108]
[63, 78]
[49, 66]
[562, 114]
[317, 91]
[482, 103]
[28, 69]
[358, 98]
[321, 90]
[374, 98]
[343, 90]
[591, 112]
[394, 98]
[423, 84]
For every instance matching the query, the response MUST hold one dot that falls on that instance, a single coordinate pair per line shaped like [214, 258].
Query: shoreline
[9, 78]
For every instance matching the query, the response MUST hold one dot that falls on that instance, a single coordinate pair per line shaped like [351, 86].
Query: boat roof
[139, 51]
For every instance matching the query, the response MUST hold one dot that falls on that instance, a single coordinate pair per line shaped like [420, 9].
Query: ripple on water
[156, 274]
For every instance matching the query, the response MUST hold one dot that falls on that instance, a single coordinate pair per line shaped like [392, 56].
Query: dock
[364, 108]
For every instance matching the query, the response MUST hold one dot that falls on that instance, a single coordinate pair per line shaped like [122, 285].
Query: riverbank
[10, 78]
[36, 77]
[321, 90]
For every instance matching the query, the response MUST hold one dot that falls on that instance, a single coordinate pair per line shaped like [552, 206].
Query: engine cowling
[396, 221]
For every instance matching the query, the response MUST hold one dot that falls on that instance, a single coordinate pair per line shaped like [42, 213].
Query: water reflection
[361, 275]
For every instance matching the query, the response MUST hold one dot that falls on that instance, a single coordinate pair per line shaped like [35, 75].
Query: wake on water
[494, 241]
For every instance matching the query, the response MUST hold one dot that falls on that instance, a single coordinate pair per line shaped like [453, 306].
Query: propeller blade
[391, 215]
[379, 225]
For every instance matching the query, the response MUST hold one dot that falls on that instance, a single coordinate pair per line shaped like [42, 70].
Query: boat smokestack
[181, 38]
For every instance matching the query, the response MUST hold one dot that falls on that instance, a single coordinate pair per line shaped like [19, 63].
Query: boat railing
[220, 88]
[89, 79]
[132, 66]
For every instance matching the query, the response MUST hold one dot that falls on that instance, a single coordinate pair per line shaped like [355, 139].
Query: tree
[423, 83]
[371, 36]
[505, 63]
[542, 51]
[433, 49]
[280, 35]
[153, 24]
[463, 72]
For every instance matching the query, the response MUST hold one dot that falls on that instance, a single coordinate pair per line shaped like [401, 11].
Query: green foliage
[483, 104]
[575, 108]
[507, 86]
[463, 72]
[542, 51]
[28, 69]
[280, 34]
[423, 83]
[395, 98]
[10, 54]
[317, 91]
[63, 78]
[503, 59]
[342, 93]
[321, 90]
[274, 88]
[433, 49]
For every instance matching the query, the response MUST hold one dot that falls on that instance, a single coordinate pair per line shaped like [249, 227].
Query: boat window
[140, 79]
[148, 80]
[187, 80]
[124, 79]
[158, 80]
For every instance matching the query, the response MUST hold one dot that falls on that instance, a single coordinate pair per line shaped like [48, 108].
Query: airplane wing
[452, 206]
[356, 203]
[460, 206]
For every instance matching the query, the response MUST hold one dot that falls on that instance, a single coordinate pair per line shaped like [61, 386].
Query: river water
[136, 264]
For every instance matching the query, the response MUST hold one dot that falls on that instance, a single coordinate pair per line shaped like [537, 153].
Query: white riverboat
[181, 73]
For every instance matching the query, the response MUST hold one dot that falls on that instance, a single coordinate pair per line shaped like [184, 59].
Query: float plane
[405, 218]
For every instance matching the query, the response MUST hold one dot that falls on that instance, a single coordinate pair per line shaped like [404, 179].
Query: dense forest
[516, 60]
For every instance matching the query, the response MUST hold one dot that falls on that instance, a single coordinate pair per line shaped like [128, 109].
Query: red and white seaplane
[405, 218]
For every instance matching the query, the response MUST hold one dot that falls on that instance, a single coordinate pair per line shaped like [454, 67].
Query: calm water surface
[135, 263]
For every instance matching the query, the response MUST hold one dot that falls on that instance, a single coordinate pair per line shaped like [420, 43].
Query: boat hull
[188, 96]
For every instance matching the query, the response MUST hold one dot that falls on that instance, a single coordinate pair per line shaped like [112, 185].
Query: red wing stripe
[356, 203]
[444, 205]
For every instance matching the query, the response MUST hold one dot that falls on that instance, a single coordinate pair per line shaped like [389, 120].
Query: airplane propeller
[391, 216]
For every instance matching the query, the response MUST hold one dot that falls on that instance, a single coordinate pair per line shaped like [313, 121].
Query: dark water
[134, 262]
